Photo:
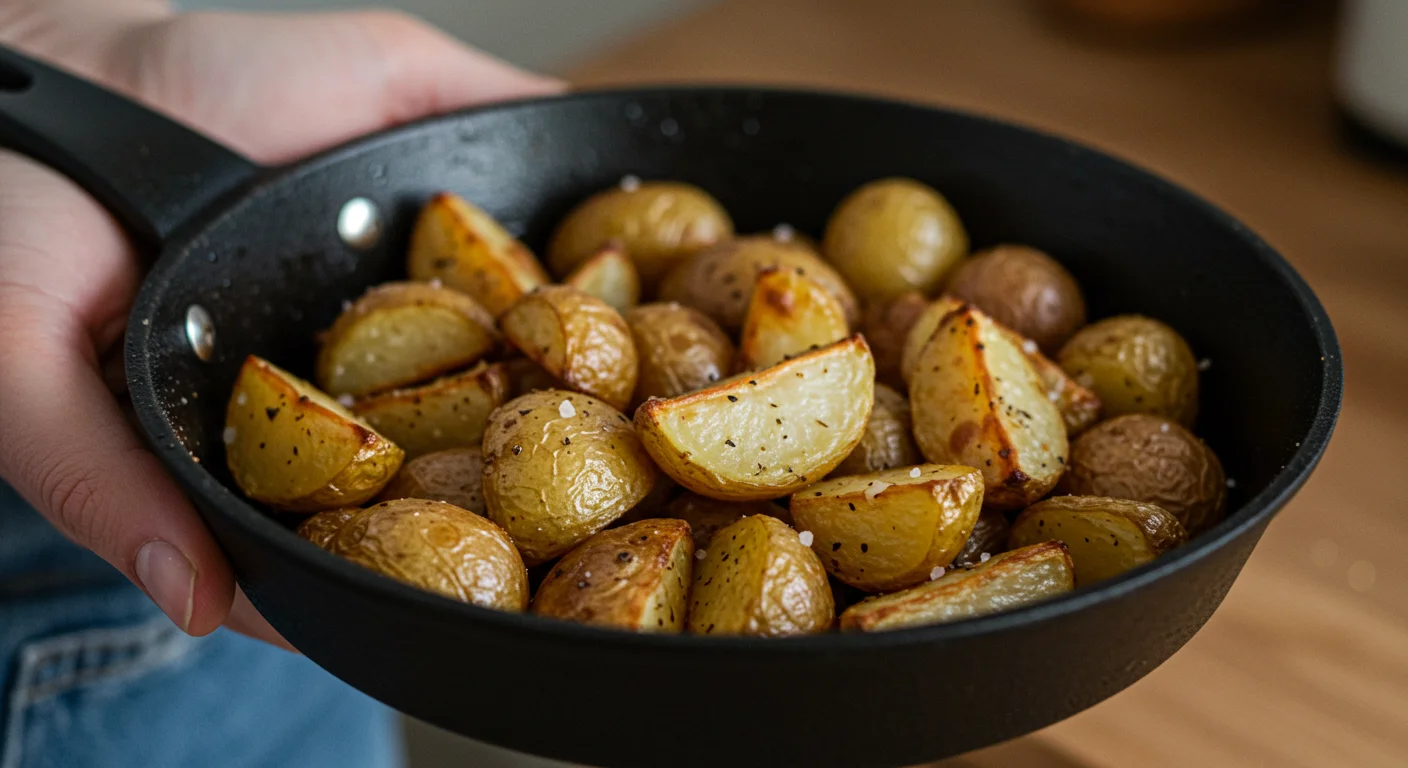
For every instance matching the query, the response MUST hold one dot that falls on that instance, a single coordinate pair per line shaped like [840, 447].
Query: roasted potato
[718, 281]
[707, 516]
[1135, 364]
[1025, 290]
[789, 313]
[463, 247]
[764, 435]
[578, 339]
[977, 402]
[1106, 537]
[449, 412]
[657, 222]
[1154, 460]
[922, 329]
[634, 577]
[455, 476]
[888, 440]
[680, 350]
[558, 467]
[758, 578]
[526, 376]
[989, 537]
[403, 333]
[886, 326]
[892, 236]
[439, 548]
[322, 528]
[889, 530]
[292, 447]
[609, 275]
[1003, 582]
[1080, 408]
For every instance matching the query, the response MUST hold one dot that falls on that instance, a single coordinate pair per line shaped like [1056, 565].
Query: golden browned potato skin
[322, 528]
[888, 440]
[440, 548]
[789, 313]
[635, 577]
[455, 476]
[1154, 460]
[886, 326]
[989, 537]
[707, 516]
[1025, 290]
[1106, 537]
[718, 281]
[449, 412]
[680, 350]
[1135, 364]
[609, 275]
[757, 578]
[892, 236]
[463, 247]
[578, 339]
[657, 222]
[558, 467]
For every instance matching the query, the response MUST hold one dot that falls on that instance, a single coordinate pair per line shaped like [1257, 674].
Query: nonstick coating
[271, 270]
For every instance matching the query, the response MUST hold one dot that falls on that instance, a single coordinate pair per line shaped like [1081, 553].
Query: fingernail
[169, 580]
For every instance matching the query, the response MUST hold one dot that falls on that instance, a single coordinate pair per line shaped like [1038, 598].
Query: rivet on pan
[200, 332]
[359, 223]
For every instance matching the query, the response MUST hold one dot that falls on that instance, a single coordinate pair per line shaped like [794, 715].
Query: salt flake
[630, 183]
[983, 558]
[229, 435]
[914, 472]
[936, 572]
[783, 233]
[806, 538]
[700, 554]
[566, 410]
[1029, 346]
[345, 401]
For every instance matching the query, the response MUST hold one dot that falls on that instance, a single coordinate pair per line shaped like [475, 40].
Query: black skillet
[259, 250]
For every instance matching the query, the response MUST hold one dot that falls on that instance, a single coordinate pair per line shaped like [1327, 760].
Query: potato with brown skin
[294, 448]
[707, 516]
[718, 281]
[440, 548]
[680, 350]
[1002, 583]
[449, 412]
[578, 339]
[989, 537]
[1106, 537]
[322, 528]
[788, 314]
[461, 246]
[609, 275]
[402, 333]
[1135, 364]
[1025, 290]
[455, 476]
[757, 578]
[635, 577]
[886, 326]
[888, 440]
[1154, 460]
[657, 222]
[558, 467]
[526, 376]
[894, 235]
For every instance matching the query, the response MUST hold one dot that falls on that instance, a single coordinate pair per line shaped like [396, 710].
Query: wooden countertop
[1306, 663]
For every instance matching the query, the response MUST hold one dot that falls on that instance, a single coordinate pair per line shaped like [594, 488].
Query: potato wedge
[1106, 537]
[707, 516]
[788, 314]
[635, 577]
[889, 530]
[449, 412]
[455, 476]
[989, 537]
[1080, 408]
[322, 528]
[578, 339]
[440, 548]
[886, 326]
[403, 333]
[922, 329]
[1004, 582]
[558, 467]
[610, 275]
[292, 447]
[978, 402]
[888, 440]
[757, 578]
[764, 435]
[463, 247]
[680, 350]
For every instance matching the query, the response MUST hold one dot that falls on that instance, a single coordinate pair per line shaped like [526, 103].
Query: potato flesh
[1106, 537]
[680, 350]
[766, 434]
[1005, 582]
[447, 413]
[788, 314]
[577, 338]
[758, 579]
[455, 476]
[922, 329]
[464, 248]
[889, 437]
[610, 276]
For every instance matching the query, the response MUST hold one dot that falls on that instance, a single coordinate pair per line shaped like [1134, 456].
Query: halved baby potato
[449, 412]
[292, 447]
[977, 402]
[610, 275]
[635, 577]
[888, 440]
[322, 528]
[789, 313]
[402, 333]
[1001, 583]
[679, 348]
[758, 578]
[455, 476]
[1106, 537]
[578, 339]
[707, 516]
[463, 247]
[889, 530]
[764, 435]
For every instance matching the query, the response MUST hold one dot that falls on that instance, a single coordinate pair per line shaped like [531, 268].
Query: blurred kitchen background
[1276, 110]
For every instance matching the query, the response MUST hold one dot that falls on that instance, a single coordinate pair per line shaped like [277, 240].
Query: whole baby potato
[886, 326]
[455, 476]
[679, 350]
[1025, 290]
[1135, 364]
[889, 437]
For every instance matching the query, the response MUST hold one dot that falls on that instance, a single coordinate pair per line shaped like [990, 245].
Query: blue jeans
[92, 674]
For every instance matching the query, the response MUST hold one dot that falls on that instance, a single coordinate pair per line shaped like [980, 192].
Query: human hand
[274, 87]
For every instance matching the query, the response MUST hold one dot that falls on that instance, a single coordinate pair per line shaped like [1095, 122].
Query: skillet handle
[152, 173]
